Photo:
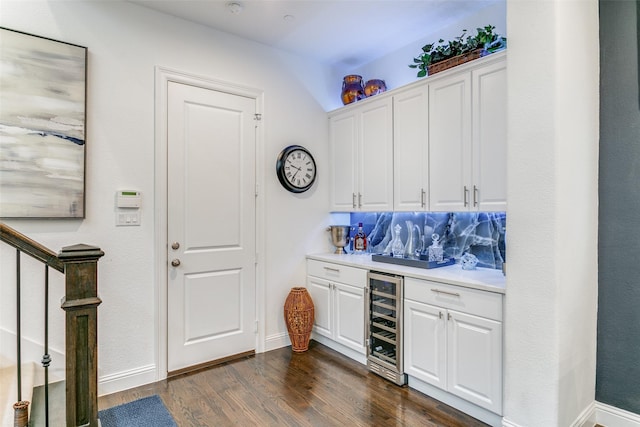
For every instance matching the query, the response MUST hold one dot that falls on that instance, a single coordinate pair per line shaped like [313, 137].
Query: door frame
[163, 76]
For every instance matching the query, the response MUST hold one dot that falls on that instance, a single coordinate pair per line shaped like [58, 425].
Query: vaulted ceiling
[333, 32]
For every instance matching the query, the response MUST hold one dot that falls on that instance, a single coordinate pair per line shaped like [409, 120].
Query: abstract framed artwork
[42, 127]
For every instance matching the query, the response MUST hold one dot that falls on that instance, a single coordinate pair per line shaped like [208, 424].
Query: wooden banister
[79, 264]
[30, 247]
[81, 342]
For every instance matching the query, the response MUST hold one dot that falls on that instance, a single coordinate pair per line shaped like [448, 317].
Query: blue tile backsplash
[479, 233]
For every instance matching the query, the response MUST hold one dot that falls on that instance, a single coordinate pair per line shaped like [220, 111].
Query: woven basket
[452, 62]
[299, 315]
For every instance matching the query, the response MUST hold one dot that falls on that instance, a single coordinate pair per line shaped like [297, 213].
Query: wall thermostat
[128, 199]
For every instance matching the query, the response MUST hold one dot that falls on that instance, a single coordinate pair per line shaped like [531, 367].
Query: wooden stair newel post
[81, 337]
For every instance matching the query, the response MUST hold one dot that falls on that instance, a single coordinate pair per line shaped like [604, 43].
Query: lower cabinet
[338, 297]
[453, 340]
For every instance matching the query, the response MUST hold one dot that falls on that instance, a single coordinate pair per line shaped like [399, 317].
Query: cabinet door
[490, 137]
[450, 143]
[376, 156]
[475, 360]
[343, 146]
[349, 316]
[320, 291]
[425, 352]
[411, 150]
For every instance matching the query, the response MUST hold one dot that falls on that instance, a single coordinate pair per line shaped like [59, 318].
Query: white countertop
[486, 279]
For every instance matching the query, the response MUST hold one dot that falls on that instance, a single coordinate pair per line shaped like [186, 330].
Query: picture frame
[43, 85]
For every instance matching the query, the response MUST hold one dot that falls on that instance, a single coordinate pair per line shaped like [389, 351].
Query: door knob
[175, 246]
[175, 262]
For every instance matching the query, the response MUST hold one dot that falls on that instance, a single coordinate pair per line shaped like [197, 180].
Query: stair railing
[79, 264]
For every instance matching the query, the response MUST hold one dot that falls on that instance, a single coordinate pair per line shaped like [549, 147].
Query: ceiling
[334, 32]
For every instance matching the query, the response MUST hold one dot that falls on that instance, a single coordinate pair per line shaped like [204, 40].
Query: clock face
[296, 169]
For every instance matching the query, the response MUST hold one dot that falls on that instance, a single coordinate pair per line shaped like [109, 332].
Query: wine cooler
[384, 328]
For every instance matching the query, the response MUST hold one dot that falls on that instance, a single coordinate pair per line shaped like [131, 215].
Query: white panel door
[425, 349]
[375, 161]
[349, 315]
[411, 150]
[475, 360]
[211, 225]
[450, 143]
[320, 291]
[490, 137]
[343, 146]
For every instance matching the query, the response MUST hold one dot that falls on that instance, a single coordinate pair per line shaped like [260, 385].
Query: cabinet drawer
[471, 301]
[337, 273]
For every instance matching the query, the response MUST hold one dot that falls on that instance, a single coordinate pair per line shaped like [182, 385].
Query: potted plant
[461, 49]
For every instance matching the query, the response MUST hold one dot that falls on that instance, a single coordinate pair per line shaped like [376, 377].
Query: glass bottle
[397, 247]
[360, 241]
[436, 252]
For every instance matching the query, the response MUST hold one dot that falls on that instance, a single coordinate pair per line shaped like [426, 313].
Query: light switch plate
[127, 217]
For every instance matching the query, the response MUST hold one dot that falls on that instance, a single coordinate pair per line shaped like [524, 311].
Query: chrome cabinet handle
[175, 246]
[440, 314]
[359, 200]
[438, 291]
[466, 193]
[353, 199]
[175, 262]
[423, 197]
[475, 196]
[448, 316]
[332, 269]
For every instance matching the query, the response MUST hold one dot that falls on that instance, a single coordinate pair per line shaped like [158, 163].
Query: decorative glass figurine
[397, 247]
[468, 261]
[436, 253]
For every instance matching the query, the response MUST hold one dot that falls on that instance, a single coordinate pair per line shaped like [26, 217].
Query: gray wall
[618, 364]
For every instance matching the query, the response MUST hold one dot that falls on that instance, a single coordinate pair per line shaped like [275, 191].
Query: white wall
[125, 43]
[550, 330]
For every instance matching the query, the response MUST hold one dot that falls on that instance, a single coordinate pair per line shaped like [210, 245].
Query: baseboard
[127, 379]
[276, 341]
[598, 413]
[350, 353]
[586, 418]
[610, 416]
[507, 423]
[468, 408]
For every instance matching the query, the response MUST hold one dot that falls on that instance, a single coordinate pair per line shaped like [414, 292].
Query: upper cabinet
[435, 145]
[450, 142]
[361, 157]
[411, 149]
[489, 135]
[467, 139]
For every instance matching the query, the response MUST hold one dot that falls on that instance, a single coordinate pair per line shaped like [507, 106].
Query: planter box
[452, 62]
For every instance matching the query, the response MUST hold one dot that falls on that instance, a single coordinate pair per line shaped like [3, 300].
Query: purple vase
[374, 87]
[352, 89]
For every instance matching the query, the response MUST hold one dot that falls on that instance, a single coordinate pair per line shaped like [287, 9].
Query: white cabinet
[489, 85]
[453, 340]
[337, 292]
[361, 157]
[411, 149]
[450, 142]
[436, 145]
[467, 139]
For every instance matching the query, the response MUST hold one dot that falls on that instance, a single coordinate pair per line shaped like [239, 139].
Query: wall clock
[296, 169]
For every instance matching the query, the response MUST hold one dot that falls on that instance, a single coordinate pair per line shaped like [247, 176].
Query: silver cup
[339, 237]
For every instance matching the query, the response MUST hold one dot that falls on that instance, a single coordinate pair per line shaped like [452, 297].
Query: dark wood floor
[280, 388]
